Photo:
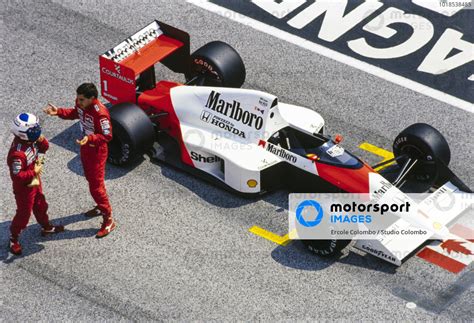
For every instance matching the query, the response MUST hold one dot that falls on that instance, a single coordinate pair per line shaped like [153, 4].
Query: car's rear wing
[129, 66]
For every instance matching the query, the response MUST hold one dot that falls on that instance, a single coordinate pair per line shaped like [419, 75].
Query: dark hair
[88, 90]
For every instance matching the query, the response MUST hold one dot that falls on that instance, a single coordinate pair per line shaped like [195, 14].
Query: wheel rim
[415, 152]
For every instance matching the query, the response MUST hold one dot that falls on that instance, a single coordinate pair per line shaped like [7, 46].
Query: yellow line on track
[385, 154]
[282, 241]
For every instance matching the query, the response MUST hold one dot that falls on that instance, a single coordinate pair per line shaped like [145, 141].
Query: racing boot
[108, 225]
[15, 246]
[51, 229]
[93, 213]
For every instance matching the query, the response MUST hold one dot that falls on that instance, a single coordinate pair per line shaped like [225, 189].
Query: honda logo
[206, 116]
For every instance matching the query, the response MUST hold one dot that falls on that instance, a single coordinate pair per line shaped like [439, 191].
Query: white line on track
[321, 50]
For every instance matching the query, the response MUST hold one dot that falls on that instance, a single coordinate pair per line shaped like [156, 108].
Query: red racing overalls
[95, 124]
[21, 162]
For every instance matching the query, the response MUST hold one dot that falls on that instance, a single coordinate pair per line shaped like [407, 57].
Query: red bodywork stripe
[159, 100]
[348, 179]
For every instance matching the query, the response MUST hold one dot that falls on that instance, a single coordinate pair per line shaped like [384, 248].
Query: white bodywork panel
[239, 115]
[243, 162]
[301, 118]
[230, 124]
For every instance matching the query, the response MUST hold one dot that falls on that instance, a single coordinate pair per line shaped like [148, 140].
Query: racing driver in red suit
[97, 132]
[25, 171]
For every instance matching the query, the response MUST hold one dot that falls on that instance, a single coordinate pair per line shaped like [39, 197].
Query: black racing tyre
[217, 64]
[326, 248]
[423, 142]
[133, 133]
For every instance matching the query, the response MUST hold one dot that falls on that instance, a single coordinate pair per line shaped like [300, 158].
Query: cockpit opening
[314, 147]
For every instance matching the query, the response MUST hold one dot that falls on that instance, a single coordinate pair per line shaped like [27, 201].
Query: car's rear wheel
[326, 248]
[216, 64]
[133, 133]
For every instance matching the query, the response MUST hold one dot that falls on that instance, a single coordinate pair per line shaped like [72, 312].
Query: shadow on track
[295, 255]
[32, 240]
[67, 140]
[216, 195]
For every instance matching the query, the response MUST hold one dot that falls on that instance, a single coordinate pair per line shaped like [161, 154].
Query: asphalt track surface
[182, 249]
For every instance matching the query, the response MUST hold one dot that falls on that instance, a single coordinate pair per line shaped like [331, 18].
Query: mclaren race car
[246, 140]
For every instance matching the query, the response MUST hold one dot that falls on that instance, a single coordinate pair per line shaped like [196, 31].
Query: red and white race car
[246, 140]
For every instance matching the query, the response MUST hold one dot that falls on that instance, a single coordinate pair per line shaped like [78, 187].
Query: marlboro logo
[280, 152]
[233, 111]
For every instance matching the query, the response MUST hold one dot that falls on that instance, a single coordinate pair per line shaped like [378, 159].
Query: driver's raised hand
[51, 110]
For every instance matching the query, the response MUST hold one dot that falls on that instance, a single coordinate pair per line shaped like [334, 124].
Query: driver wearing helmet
[24, 167]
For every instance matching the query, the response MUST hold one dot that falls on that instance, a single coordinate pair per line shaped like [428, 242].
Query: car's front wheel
[326, 248]
[422, 142]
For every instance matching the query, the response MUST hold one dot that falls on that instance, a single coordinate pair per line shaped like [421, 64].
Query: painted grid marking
[385, 154]
[332, 54]
[273, 237]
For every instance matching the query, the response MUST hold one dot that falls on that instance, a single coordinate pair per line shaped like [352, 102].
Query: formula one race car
[245, 140]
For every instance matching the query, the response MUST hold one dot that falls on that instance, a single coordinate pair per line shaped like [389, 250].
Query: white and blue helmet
[26, 127]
